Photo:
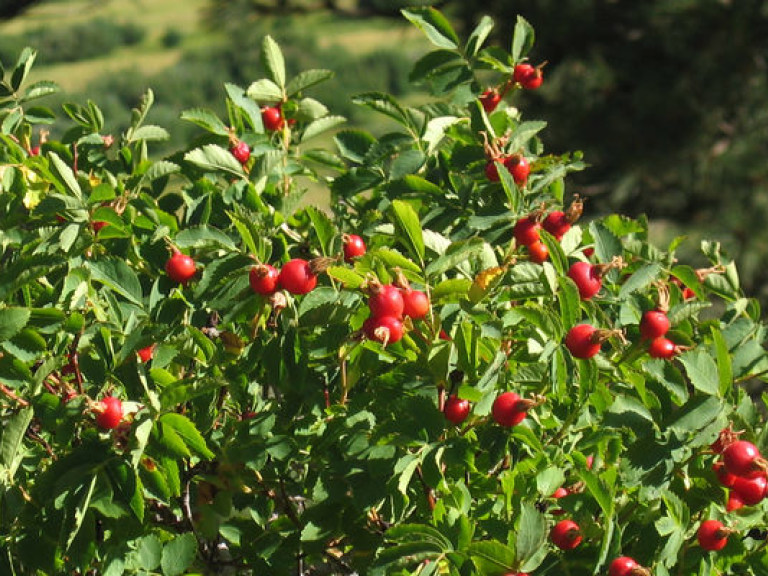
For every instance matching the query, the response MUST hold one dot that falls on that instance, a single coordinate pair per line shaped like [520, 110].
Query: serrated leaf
[11, 444]
[724, 364]
[640, 279]
[702, 370]
[12, 320]
[305, 79]
[407, 222]
[65, 175]
[205, 119]
[179, 554]
[522, 39]
[22, 68]
[149, 133]
[457, 253]
[203, 237]
[479, 35]
[349, 278]
[160, 169]
[321, 125]
[384, 104]
[265, 92]
[213, 157]
[531, 532]
[436, 26]
[273, 60]
[323, 227]
[354, 144]
[118, 277]
[40, 89]
[492, 558]
[188, 432]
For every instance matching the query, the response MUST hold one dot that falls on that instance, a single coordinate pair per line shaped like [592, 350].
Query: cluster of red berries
[524, 75]
[296, 276]
[557, 223]
[653, 327]
[516, 164]
[389, 304]
[741, 469]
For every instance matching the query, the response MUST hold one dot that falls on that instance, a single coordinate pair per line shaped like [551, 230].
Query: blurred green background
[668, 99]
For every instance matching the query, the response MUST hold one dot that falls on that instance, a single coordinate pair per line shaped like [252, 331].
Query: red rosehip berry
[264, 279]
[180, 267]
[383, 329]
[509, 409]
[109, 413]
[415, 304]
[734, 502]
[388, 301]
[662, 348]
[526, 231]
[566, 535]
[527, 76]
[725, 478]
[623, 566]
[581, 341]
[456, 409]
[354, 247]
[34, 151]
[272, 118]
[98, 225]
[145, 354]
[519, 167]
[490, 99]
[491, 171]
[587, 278]
[538, 252]
[712, 535]
[557, 224]
[750, 491]
[654, 324]
[296, 277]
[241, 151]
[742, 458]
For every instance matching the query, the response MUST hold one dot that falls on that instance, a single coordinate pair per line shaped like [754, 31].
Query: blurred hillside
[667, 98]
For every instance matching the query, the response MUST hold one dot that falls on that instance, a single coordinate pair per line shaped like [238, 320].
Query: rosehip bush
[289, 421]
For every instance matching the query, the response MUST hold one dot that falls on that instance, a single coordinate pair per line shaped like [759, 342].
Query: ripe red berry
[264, 279]
[490, 99]
[384, 329]
[508, 410]
[296, 277]
[109, 413]
[241, 151]
[519, 167]
[750, 491]
[180, 267]
[415, 304]
[491, 171]
[387, 302]
[456, 409]
[538, 252]
[734, 502]
[623, 566]
[580, 341]
[726, 478]
[566, 535]
[527, 76]
[712, 535]
[742, 458]
[587, 278]
[97, 225]
[354, 247]
[662, 348]
[654, 324]
[272, 118]
[34, 151]
[145, 354]
[526, 231]
[557, 224]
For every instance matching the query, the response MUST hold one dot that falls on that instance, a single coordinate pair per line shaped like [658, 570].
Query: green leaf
[205, 119]
[607, 245]
[272, 57]
[419, 533]
[40, 89]
[479, 35]
[12, 320]
[640, 279]
[492, 558]
[522, 39]
[384, 104]
[436, 26]
[148, 133]
[702, 370]
[22, 68]
[118, 277]
[724, 366]
[65, 175]
[323, 227]
[457, 253]
[305, 79]
[349, 278]
[265, 92]
[179, 554]
[215, 158]
[188, 432]
[407, 222]
[531, 533]
[321, 125]
[149, 551]
[354, 144]
[11, 452]
[203, 237]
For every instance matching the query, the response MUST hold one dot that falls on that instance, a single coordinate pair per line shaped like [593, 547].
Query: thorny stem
[13, 396]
